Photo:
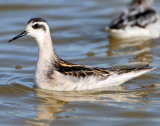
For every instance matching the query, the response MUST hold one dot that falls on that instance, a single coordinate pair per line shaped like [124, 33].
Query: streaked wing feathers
[130, 68]
[80, 70]
[84, 70]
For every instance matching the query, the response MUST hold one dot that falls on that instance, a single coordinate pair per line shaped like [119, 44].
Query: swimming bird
[53, 73]
[140, 19]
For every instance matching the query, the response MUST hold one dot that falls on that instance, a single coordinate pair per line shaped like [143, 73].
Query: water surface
[77, 29]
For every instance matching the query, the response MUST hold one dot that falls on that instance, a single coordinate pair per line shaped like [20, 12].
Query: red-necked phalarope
[139, 20]
[53, 73]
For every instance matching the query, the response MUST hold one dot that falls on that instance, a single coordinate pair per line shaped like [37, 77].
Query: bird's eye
[35, 26]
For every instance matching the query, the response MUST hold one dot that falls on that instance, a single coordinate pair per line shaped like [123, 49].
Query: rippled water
[77, 28]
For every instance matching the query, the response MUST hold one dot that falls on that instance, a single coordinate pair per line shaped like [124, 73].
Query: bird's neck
[47, 56]
[46, 51]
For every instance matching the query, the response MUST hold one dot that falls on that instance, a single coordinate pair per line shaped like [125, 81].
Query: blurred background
[77, 29]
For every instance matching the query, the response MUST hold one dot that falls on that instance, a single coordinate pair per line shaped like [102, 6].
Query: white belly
[61, 82]
[149, 32]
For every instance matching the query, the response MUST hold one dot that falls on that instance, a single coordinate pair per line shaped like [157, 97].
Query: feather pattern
[135, 16]
[140, 20]
[81, 71]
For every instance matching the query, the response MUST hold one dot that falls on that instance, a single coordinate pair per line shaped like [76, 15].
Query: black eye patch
[37, 26]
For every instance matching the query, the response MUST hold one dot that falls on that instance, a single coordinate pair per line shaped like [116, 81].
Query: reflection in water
[138, 47]
[54, 102]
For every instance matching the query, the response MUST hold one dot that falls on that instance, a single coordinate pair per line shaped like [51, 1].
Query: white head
[37, 28]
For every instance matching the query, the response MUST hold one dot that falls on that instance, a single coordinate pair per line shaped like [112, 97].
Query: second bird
[139, 20]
